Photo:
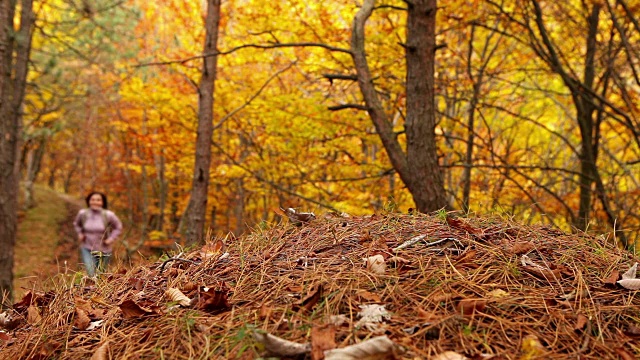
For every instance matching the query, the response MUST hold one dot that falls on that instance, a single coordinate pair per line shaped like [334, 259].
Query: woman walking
[97, 229]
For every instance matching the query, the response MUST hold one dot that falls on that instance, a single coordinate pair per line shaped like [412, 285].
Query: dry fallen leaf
[189, 286]
[380, 347]
[371, 316]
[83, 304]
[632, 331]
[33, 315]
[9, 320]
[4, 336]
[613, 278]
[581, 322]
[542, 273]
[102, 353]
[522, 247]
[631, 273]
[459, 224]
[265, 311]
[276, 346]
[37, 299]
[214, 301]
[368, 296]
[471, 306]
[131, 310]
[440, 296]
[376, 264]
[624, 354]
[136, 283]
[81, 320]
[212, 248]
[631, 284]
[629, 280]
[322, 338]
[312, 298]
[466, 258]
[176, 295]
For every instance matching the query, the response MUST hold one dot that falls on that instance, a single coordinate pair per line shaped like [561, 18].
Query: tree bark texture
[197, 207]
[418, 168]
[14, 55]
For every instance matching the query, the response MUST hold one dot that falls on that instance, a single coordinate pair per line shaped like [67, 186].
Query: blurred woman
[97, 229]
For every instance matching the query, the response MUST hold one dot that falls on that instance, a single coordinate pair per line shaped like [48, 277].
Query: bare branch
[245, 46]
[347, 106]
[332, 77]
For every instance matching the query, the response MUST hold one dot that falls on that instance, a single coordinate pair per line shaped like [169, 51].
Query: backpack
[85, 213]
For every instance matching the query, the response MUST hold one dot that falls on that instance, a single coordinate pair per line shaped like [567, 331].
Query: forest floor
[385, 286]
[46, 244]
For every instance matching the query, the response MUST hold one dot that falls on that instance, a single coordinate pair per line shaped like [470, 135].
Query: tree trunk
[584, 103]
[427, 183]
[418, 168]
[13, 72]
[197, 207]
[162, 190]
[34, 161]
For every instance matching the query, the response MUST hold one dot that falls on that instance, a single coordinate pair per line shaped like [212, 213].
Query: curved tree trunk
[418, 167]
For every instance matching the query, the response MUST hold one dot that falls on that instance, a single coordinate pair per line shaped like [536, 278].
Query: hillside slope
[477, 288]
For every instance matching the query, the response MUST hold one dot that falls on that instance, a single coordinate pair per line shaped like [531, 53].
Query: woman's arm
[77, 225]
[116, 227]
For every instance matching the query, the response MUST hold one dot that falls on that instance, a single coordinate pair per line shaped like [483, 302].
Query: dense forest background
[536, 103]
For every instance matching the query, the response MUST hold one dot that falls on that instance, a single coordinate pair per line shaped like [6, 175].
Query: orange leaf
[33, 315]
[136, 283]
[581, 322]
[214, 301]
[522, 247]
[210, 249]
[312, 298]
[322, 338]
[459, 224]
[368, 296]
[624, 354]
[471, 306]
[465, 258]
[633, 331]
[613, 278]
[131, 310]
[265, 311]
[545, 274]
[82, 320]
[102, 353]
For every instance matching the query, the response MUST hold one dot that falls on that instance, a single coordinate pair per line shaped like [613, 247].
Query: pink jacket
[93, 227]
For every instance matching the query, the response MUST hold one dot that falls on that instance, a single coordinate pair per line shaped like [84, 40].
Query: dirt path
[46, 240]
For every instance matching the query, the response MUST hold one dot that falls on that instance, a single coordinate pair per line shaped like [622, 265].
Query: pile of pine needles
[478, 288]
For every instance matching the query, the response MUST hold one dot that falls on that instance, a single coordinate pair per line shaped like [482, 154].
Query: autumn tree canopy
[534, 109]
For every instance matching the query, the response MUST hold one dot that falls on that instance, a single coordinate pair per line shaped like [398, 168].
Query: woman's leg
[88, 261]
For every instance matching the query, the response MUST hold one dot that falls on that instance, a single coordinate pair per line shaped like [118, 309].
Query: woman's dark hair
[103, 196]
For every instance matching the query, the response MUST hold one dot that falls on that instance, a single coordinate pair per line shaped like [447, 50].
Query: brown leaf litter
[473, 288]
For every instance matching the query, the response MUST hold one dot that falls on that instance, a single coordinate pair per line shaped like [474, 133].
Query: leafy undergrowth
[464, 288]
